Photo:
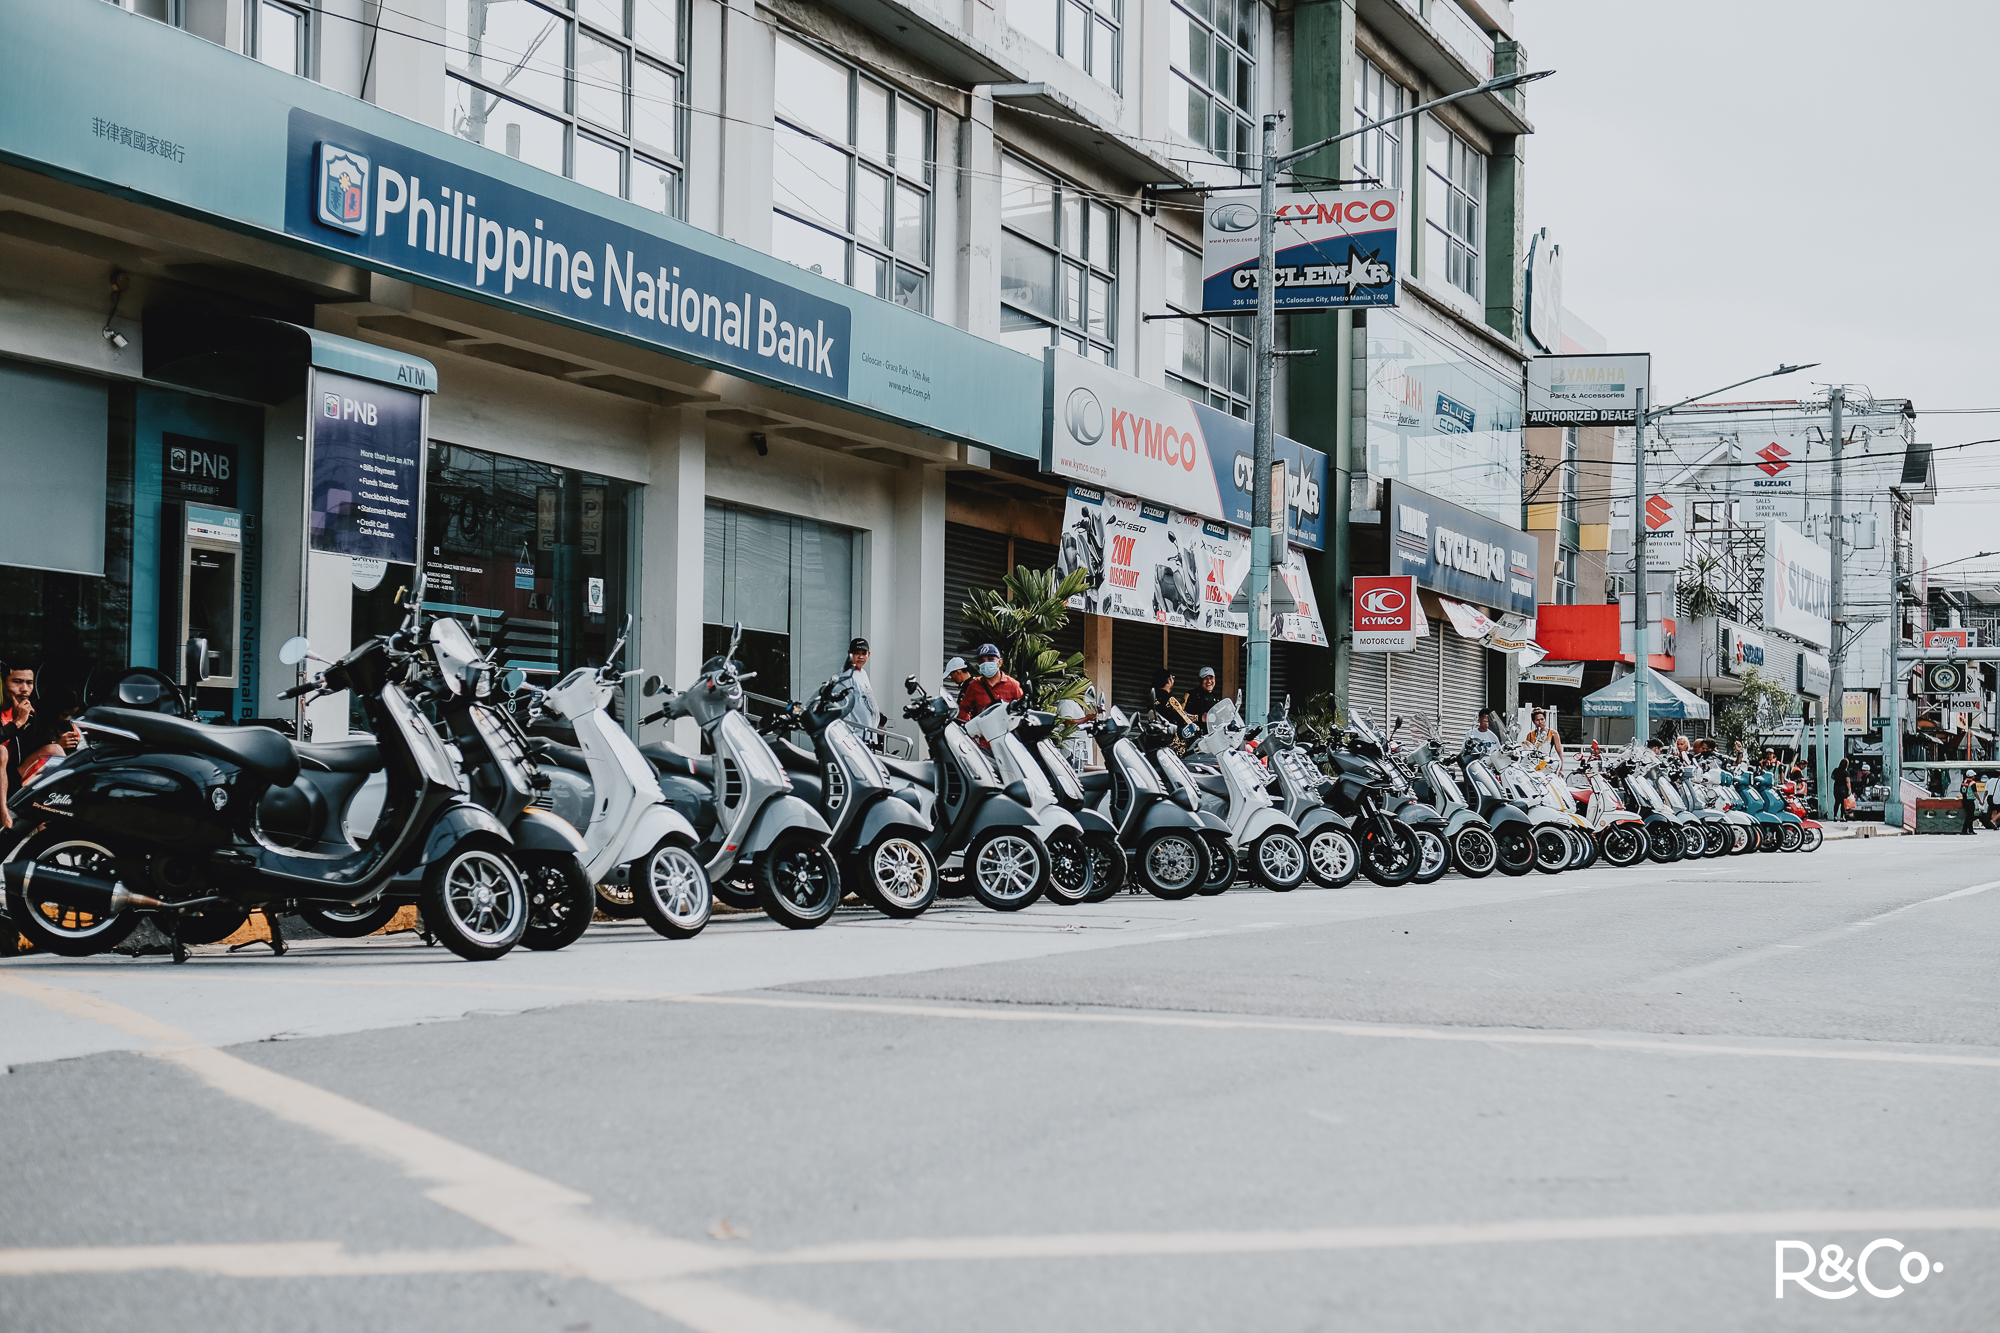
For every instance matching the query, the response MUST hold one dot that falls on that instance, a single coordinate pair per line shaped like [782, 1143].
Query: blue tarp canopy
[1663, 698]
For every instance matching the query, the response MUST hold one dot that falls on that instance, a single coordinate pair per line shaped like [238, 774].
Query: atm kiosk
[202, 601]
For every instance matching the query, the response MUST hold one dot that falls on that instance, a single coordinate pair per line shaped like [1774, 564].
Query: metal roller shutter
[1137, 651]
[973, 558]
[1464, 679]
[1364, 681]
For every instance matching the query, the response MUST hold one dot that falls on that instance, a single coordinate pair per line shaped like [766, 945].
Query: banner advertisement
[1105, 429]
[1453, 550]
[1335, 249]
[1554, 673]
[1586, 390]
[367, 452]
[1164, 567]
[1854, 712]
[1798, 585]
[1385, 611]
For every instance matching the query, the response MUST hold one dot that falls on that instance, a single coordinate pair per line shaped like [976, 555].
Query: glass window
[616, 66]
[790, 581]
[1083, 32]
[1378, 153]
[1058, 264]
[1207, 360]
[851, 177]
[1213, 50]
[1455, 199]
[1566, 577]
[1569, 477]
[518, 544]
[280, 36]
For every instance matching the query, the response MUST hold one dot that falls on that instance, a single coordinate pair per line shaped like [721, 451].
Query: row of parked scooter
[512, 816]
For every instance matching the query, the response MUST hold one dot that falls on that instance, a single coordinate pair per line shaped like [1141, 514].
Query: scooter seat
[259, 750]
[363, 754]
[923, 772]
[1095, 780]
[795, 758]
[673, 760]
[562, 756]
[1213, 784]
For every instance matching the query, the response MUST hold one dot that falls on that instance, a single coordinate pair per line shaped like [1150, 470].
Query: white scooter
[632, 835]
[1022, 778]
[1238, 789]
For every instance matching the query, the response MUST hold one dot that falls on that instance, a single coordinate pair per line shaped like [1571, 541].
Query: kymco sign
[1385, 618]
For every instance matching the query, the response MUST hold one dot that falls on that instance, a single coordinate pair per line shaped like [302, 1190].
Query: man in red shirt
[989, 685]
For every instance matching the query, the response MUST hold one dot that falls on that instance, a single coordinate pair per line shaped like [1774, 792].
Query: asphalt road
[1592, 1101]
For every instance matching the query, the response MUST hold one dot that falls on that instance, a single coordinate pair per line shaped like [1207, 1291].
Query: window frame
[1371, 78]
[1109, 13]
[890, 166]
[1572, 458]
[305, 43]
[1236, 332]
[1062, 331]
[631, 150]
[1462, 233]
[1565, 579]
[1239, 103]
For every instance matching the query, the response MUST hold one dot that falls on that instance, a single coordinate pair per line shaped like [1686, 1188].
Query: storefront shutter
[55, 434]
[973, 558]
[1137, 652]
[1464, 675]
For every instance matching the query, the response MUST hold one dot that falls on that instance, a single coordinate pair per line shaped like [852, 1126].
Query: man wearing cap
[956, 673]
[860, 707]
[988, 686]
[1199, 701]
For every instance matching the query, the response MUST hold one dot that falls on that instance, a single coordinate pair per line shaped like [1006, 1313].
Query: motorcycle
[1155, 824]
[1177, 583]
[210, 823]
[1235, 787]
[739, 801]
[1513, 831]
[1401, 801]
[1474, 850]
[879, 837]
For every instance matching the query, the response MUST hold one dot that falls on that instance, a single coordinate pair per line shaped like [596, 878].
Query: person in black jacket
[1203, 699]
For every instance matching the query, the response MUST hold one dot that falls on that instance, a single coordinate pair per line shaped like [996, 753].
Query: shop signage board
[1947, 638]
[1798, 585]
[1335, 249]
[1815, 675]
[1385, 616]
[1108, 430]
[1167, 567]
[203, 471]
[1854, 712]
[1554, 673]
[1586, 390]
[366, 446]
[1452, 550]
[1746, 651]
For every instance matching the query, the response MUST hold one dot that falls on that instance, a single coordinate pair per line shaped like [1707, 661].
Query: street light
[1257, 690]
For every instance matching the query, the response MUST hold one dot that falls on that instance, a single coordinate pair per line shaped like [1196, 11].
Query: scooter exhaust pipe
[73, 888]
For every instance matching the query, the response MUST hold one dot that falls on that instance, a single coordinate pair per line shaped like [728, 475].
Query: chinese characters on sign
[128, 137]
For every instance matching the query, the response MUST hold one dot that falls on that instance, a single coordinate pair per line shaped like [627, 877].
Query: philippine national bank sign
[395, 207]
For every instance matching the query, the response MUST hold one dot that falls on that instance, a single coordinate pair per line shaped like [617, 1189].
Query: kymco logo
[1383, 601]
[1840, 1277]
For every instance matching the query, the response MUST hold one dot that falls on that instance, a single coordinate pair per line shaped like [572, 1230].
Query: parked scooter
[1558, 844]
[1620, 833]
[1154, 739]
[879, 837]
[203, 836]
[1474, 850]
[1665, 841]
[740, 802]
[982, 833]
[1674, 777]
[1235, 787]
[1811, 835]
[1425, 820]
[1333, 853]
[1513, 830]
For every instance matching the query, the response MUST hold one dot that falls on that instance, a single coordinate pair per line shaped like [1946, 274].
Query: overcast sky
[1736, 185]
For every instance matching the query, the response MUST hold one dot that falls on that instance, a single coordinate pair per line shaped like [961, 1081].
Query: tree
[1022, 617]
[1762, 702]
[1699, 596]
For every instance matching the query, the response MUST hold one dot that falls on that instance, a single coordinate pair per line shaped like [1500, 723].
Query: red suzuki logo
[1774, 456]
[1659, 512]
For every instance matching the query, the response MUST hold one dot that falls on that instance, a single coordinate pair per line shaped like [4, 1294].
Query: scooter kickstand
[174, 937]
[278, 945]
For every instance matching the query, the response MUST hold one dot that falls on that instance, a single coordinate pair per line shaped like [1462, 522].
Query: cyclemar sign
[1456, 551]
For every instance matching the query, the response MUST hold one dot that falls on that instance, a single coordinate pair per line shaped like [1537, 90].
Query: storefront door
[791, 582]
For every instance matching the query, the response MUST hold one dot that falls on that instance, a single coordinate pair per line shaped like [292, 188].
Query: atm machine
[201, 602]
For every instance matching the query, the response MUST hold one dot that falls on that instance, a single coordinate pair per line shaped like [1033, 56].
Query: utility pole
[1257, 689]
[1642, 729]
[1892, 688]
[1833, 712]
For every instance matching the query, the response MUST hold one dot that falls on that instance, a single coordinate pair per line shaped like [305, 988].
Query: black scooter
[170, 817]
[1075, 791]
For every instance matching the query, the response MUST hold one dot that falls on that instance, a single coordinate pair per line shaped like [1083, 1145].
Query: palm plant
[1022, 616]
[1699, 596]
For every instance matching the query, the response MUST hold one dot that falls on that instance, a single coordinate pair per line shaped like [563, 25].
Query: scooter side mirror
[910, 685]
[652, 686]
[295, 650]
[514, 680]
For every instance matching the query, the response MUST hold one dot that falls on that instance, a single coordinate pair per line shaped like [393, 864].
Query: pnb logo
[341, 188]
[198, 463]
[335, 408]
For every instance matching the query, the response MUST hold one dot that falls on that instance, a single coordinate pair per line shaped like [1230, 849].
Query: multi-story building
[696, 311]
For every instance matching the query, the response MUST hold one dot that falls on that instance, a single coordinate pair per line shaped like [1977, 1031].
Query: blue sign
[367, 464]
[1453, 417]
[394, 207]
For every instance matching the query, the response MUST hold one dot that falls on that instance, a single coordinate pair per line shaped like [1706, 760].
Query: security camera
[115, 338]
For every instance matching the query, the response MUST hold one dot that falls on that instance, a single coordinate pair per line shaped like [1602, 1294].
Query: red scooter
[1811, 835]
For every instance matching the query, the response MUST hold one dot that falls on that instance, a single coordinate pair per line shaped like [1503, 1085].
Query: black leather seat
[920, 771]
[562, 756]
[795, 758]
[1095, 780]
[362, 754]
[257, 750]
[679, 762]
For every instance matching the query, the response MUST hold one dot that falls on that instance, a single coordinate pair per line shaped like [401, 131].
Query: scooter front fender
[779, 814]
[456, 822]
[539, 831]
[658, 823]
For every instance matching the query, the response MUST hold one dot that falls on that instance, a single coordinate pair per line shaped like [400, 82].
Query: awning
[1663, 698]
[264, 360]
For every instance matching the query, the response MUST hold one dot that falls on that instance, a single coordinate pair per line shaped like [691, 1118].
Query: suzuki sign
[1385, 616]
[1798, 585]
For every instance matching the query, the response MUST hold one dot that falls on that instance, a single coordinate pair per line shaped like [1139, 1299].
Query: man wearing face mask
[988, 686]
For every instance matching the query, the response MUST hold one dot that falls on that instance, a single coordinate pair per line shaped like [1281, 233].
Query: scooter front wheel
[349, 923]
[1624, 845]
[1173, 865]
[1007, 868]
[671, 889]
[69, 932]
[1433, 858]
[475, 902]
[1390, 857]
[798, 885]
[1788, 837]
[1516, 850]
[1742, 837]
[896, 876]
[1474, 851]
[560, 901]
[1333, 857]
[1663, 842]
[1070, 869]
[1552, 849]
[1812, 837]
[1221, 862]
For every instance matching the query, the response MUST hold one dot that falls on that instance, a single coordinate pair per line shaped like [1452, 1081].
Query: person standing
[859, 711]
[1542, 738]
[991, 685]
[1203, 699]
[1483, 738]
[1843, 791]
[1161, 702]
[26, 741]
[956, 673]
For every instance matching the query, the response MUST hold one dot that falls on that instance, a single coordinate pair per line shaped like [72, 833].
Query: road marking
[1017, 1013]
[549, 1218]
[1749, 957]
[713, 1306]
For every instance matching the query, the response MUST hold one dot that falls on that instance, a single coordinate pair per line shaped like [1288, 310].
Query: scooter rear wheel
[1221, 863]
[1108, 866]
[798, 884]
[1552, 849]
[1433, 857]
[616, 902]
[1624, 845]
[1474, 852]
[560, 901]
[1070, 869]
[349, 923]
[1516, 850]
[671, 890]
[1173, 864]
[1333, 857]
[475, 902]
[68, 931]
[896, 876]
